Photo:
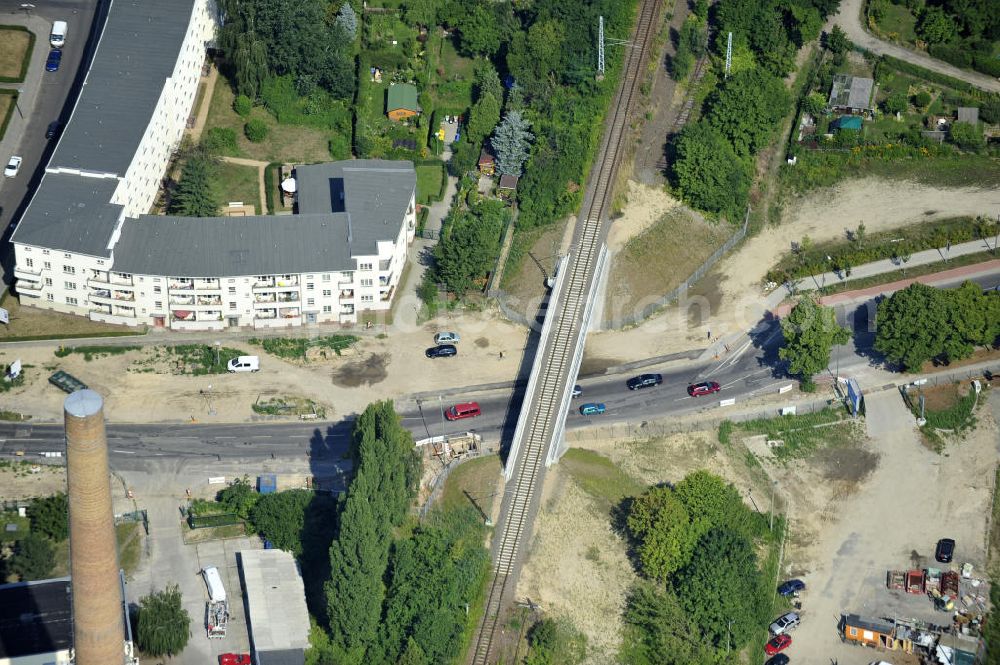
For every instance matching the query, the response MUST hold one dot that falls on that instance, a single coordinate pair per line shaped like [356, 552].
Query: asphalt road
[752, 368]
[56, 96]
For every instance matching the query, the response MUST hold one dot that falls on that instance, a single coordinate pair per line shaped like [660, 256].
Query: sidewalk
[10, 144]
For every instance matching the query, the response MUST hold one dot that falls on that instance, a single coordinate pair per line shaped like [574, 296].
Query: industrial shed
[275, 599]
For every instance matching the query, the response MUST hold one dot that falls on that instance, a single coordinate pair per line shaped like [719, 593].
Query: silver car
[785, 623]
[446, 338]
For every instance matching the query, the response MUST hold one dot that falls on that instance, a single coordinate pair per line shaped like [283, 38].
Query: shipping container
[267, 483]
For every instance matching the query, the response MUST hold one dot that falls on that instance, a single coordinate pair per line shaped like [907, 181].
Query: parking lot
[856, 513]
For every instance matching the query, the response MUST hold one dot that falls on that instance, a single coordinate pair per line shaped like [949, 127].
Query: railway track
[558, 350]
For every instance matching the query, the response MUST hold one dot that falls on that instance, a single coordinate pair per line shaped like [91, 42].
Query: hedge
[27, 56]
[270, 185]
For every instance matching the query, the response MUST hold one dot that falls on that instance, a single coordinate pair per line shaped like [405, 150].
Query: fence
[437, 485]
[651, 309]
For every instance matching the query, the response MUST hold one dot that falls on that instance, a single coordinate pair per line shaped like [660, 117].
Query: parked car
[446, 337]
[644, 381]
[53, 129]
[13, 166]
[234, 659]
[244, 364]
[592, 409]
[577, 390]
[780, 659]
[778, 644]
[441, 351]
[703, 388]
[52, 63]
[461, 411]
[785, 623]
[945, 550]
[789, 587]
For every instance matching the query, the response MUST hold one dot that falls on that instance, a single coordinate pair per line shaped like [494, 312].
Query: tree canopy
[659, 631]
[810, 331]
[163, 625]
[660, 522]
[469, 244]
[196, 195]
[50, 516]
[511, 143]
[747, 108]
[708, 172]
[33, 558]
[280, 517]
[239, 497]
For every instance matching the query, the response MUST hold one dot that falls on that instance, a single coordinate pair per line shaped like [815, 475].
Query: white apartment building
[84, 245]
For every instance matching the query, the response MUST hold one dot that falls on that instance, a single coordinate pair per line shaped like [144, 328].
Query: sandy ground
[646, 205]
[378, 369]
[26, 480]
[577, 565]
[728, 300]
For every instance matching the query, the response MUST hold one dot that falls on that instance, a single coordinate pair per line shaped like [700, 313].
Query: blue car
[592, 409]
[791, 587]
[55, 57]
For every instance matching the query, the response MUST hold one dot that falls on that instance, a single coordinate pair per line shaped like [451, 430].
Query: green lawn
[598, 476]
[239, 183]
[451, 83]
[476, 478]
[898, 23]
[428, 182]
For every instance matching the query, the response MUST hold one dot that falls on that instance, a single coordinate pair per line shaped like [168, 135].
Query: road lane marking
[124, 452]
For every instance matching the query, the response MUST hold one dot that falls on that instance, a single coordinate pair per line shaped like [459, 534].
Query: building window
[157, 289]
[70, 286]
[49, 297]
[47, 265]
[854, 632]
[29, 262]
[48, 281]
[156, 279]
[310, 276]
[69, 270]
[310, 286]
[158, 304]
[232, 290]
[310, 301]
[326, 277]
[45, 252]
[367, 298]
[67, 256]
[327, 293]
[365, 266]
[100, 262]
[327, 309]
[70, 301]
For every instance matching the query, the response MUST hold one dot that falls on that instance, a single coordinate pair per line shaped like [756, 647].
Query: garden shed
[852, 94]
[401, 101]
[969, 114]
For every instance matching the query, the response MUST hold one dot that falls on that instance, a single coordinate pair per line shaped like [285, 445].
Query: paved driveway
[913, 498]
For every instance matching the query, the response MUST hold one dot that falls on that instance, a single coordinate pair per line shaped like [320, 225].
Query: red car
[234, 659]
[778, 644]
[703, 388]
[461, 411]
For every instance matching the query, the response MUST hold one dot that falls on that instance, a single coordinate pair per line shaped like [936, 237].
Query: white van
[58, 37]
[244, 364]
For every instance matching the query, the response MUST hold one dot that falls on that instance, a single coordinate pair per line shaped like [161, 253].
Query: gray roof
[328, 231]
[71, 213]
[136, 54]
[35, 618]
[852, 92]
[276, 601]
[282, 657]
[968, 114]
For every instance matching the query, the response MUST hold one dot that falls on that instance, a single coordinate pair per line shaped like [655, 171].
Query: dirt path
[206, 103]
[729, 299]
[849, 18]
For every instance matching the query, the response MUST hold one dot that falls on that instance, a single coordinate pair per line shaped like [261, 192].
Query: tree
[537, 54]
[912, 326]
[966, 136]
[487, 81]
[387, 469]
[814, 104]
[922, 99]
[196, 194]
[464, 156]
[511, 143]
[990, 110]
[660, 522]
[721, 589]
[50, 516]
[33, 558]
[279, 517]
[713, 503]
[693, 36]
[708, 173]
[747, 107]
[483, 118]
[935, 26]
[806, 22]
[239, 498]
[163, 625]
[255, 130]
[659, 632]
[347, 20]
[681, 63]
[420, 12]
[837, 41]
[810, 331]
[469, 244]
[480, 32]
[895, 103]
[242, 105]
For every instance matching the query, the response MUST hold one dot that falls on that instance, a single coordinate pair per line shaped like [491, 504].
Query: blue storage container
[267, 484]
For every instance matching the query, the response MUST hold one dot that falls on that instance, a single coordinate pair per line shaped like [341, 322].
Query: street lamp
[770, 527]
[20, 91]
[27, 7]
[218, 347]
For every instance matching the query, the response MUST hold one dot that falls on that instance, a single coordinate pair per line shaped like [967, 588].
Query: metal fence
[652, 308]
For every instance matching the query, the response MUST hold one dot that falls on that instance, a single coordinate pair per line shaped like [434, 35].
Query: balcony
[347, 294]
[288, 296]
[181, 284]
[345, 279]
[121, 279]
[384, 265]
[384, 281]
[264, 297]
[208, 285]
[28, 273]
[28, 285]
[266, 314]
[210, 300]
[264, 283]
[99, 277]
[101, 310]
[289, 313]
[348, 309]
[182, 300]
[288, 280]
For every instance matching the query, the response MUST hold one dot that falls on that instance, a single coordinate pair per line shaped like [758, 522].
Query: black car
[441, 351]
[780, 659]
[53, 129]
[945, 550]
[644, 381]
[790, 587]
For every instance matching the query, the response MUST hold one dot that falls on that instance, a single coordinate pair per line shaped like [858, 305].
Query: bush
[33, 559]
[50, 516]
[220, 140]
[956, 54]
[922, 99]
[255, 130]
[242, 105]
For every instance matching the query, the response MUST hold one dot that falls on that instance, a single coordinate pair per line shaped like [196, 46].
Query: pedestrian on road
[501, 355]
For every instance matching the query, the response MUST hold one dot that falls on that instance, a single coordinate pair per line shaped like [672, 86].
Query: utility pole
[770, 527]
[729, 54]
[600, 48]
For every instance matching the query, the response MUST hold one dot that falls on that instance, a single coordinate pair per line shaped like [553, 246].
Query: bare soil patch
[532, 259]
[371, 370]
[34, 321]
[19, 480]
[13, 51]
[482, 343]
